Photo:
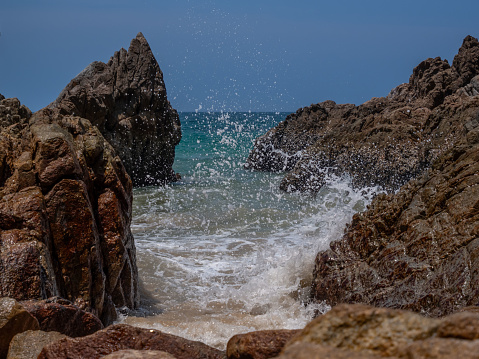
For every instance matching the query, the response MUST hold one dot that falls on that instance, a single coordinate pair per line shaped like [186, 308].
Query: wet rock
[121, 337]
[14, 319]
[417, 249]
[29, 344]
[258, 345]
[385, 141]
[126, 100]
[65, 213]
[139, 354]
[60, 315]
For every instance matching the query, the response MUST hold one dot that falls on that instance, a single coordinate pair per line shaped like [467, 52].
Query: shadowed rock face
[385, 141]
[126, 99]
[65, 213]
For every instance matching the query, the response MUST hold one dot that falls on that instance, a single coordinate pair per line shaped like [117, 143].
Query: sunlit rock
[65, 213]
[384, 142]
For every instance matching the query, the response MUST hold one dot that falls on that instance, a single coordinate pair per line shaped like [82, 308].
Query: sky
[222, 55]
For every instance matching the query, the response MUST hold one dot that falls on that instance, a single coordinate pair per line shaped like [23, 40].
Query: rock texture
[60, 315]
[14, 319]
[29, 344]
[139, 354]
[362, 331]
[121, 337]
[385, 141]
[258, 345]
[65, 213]
[126, 100]
[417, 249]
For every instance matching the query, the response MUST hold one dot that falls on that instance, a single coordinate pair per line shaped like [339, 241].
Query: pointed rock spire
[126, 99]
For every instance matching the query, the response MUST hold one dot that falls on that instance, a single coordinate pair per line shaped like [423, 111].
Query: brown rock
[126, 99]
[463, 325]
[360, 331]
[60, 315]
[417, 249]
[385, 141]
[316, 351]
[139, 354]
[65, 213]
[258, 345]
[120, 337]
[29, 344]
[435, 348]
[371, 330]
[14, 319]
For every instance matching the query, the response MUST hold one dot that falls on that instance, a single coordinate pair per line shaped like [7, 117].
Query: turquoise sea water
[223, 251]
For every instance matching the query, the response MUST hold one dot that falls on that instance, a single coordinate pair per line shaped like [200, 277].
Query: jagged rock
[14, 319]
[139, 354]
[258, 345]
[360, 331]
[60, 315]
[65, 213]
[385, 141]
[417, 249]
[126, 99]
[29, 344]
[120, 337]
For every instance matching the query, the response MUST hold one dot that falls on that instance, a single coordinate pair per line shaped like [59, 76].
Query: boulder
[121, 337]
[258, 345]
[29, 344]
[14, 319]
[65, 213]
[371, 330]
[126, 100]
[361, 331]
[139, 354]
[60, 315]
[384, 142]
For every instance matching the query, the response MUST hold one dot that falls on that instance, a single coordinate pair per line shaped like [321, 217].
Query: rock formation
[60, 315]
[418, 249]
[65, 213]
[29, 344]
[14, 319]
[65, 196]
[120, 337]
[360, 331]
[258, 345]
[385, 141]
[126, 100]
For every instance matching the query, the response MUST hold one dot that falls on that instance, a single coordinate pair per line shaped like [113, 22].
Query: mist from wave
[224, 251]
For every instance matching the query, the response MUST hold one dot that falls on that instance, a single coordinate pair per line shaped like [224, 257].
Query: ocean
[224, 251]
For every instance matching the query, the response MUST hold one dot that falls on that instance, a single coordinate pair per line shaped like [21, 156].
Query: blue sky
[261, 55]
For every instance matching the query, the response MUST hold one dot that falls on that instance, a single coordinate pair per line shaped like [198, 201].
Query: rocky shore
[126, 100]
[66, 248]
[384, 142]
[407, 267]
